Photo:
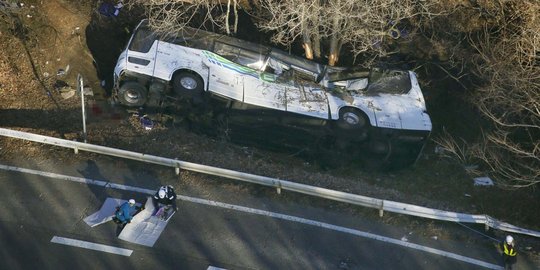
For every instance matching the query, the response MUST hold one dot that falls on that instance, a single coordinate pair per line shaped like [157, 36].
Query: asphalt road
[212, 233]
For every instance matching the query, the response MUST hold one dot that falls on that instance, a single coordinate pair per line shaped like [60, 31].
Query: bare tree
[364, 25]
[167, 16]
[504, 59]
[292, 20]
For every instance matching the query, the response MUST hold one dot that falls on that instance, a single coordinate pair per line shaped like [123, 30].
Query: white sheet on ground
[144, 228]
[483, 181]
[105, 213]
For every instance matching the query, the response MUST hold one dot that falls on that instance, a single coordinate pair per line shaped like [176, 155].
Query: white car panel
[265, 94]
[307, 100]
[172, 57]
[226, 83]
[133, 57]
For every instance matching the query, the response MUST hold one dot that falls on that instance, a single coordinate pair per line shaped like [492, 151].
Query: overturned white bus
[379, 108]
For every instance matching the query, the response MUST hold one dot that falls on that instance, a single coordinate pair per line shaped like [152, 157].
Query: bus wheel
[187, 84]
[132, 94]
[351, 118]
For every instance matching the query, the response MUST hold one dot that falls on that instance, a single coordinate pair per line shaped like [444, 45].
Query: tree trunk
[335, 43]
[227, 27]
[235, 16]
[316, 41]
[306, 33]
[315, 32]
[307, 45]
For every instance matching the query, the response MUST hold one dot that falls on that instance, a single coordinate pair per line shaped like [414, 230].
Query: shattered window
[389, 81]
[142, 40]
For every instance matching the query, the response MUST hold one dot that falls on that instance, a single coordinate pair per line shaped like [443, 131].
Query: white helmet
[509, 239]
[131, 201]
[162, 193]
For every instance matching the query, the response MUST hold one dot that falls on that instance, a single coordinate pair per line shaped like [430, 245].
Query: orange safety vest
[509, 250]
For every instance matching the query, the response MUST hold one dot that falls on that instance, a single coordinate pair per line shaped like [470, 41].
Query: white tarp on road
[144, 228]
[105, 213]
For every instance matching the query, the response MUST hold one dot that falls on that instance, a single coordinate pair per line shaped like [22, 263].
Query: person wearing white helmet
[123, 214]
[165, 198]
[509, 252]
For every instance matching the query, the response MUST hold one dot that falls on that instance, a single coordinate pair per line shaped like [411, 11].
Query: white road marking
[214, 268]
[264, 213]
[341, 229]
[90, 245]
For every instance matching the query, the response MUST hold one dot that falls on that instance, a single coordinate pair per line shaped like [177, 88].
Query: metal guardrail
[381, 205]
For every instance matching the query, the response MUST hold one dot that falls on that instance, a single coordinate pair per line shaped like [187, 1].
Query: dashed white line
[264, 213]
[92, 246]
[214, 268]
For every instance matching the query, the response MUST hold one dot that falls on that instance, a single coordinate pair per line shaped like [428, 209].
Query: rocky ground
[46, 44]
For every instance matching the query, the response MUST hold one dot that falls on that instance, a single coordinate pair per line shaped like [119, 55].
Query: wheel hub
[351, 118]
[188, 83]
[132, 95]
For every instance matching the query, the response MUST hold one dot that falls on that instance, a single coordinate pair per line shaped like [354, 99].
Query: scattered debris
[62, 72]
[67, 93]
[404, 239]
[110, 10]
[467, 195]
[46, 74]
[64, 89]
[75, 31]
[483, 181]
[87, 91]
[439, 150]
[59, 84]
[434, 237]
[146, 122]
[471, 167]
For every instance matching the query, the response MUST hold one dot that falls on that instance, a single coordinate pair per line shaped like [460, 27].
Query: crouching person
[164, 200]
[123, 216]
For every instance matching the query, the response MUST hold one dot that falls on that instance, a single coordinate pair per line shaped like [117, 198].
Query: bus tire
[187, 84]
[132, 94]
[351, 119]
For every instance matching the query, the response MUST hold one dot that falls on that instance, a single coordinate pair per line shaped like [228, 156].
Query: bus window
[142, 40]
[240, 56]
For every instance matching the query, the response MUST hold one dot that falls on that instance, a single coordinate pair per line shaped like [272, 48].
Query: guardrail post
[177, 168]
[381, 209]
[75, 149]
[278, 189]
[486, 226]
[80, 89]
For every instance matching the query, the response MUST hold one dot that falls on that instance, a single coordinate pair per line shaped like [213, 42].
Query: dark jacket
[170, 197]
